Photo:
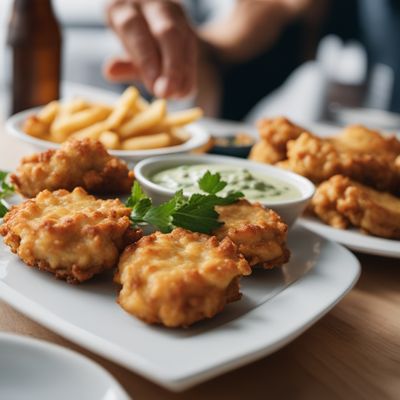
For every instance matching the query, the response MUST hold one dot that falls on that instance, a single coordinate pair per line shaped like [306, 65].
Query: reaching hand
[160, 45]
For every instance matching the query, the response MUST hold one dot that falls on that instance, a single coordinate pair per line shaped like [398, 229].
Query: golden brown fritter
[70, 234]
[341, 202]
[259, 233]
[318, 159]
[278, 131]
[179, 278]
[360, 139]
[84, 163]
[264, 152]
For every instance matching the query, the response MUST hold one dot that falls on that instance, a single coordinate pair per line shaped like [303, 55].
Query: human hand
[160, 45]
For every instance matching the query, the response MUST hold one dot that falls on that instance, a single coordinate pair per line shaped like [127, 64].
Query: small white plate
[353, 238]
[36, 370]
[197, 133]
[277, 306]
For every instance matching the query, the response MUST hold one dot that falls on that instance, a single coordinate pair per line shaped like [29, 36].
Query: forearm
[251, 27]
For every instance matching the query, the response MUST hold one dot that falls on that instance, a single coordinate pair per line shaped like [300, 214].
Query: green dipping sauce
[254, 185]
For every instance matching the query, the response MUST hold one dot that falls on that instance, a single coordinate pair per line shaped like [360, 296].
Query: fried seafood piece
[275, 133]
[319, 159]
[259, 233]
[266, 153]
[341, 202]
[179, 278]
[84, 163]
[70, 234]
[360, 139]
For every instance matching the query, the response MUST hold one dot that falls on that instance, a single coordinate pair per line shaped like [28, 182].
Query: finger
[120, 70]
[189, 85]
[168, 26]
[131, 27]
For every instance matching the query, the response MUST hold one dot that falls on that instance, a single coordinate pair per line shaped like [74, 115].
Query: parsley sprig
[195, 213]
[5, 190]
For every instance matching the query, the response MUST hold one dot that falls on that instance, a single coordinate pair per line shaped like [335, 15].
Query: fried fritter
[259, 233]
[341, 202]
[360, 139]
[70, 234]
[179, 278]
[84, 163]
[266, 153]
[275, 133]
[319, 159]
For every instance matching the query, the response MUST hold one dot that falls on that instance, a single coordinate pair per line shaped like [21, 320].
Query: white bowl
[34, 369]
[198, 138]
[289, 210]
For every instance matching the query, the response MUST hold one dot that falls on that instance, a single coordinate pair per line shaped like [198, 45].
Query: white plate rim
[63, 352]
[353, 239]
[199, 137]
[322, 281]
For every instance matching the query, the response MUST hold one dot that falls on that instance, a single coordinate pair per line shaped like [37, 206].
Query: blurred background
[337, 62]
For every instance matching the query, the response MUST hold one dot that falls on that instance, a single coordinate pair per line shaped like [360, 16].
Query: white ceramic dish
[198, 138]
[277, 306]
[36, 370]
[289, 210]
[354, 239]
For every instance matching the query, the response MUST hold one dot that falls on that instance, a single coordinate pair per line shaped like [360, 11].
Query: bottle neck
[33, 21]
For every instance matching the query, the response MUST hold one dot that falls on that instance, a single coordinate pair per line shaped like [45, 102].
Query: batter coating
[275, 133]
[72, 235]
[259, 233]
[84, 163]
[319, 159]
[341, 202]
[179, 278]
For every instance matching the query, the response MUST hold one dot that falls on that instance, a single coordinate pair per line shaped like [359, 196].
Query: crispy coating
[179, 278]
[275, 133]
[266, 153]
[70, 234]
[84, 163]
[341, 202]
[319, 159]
[360, 139]
[259, 233]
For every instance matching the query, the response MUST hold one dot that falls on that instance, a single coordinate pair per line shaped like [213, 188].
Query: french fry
[147, 142]
[109, 139]
[34, 126]
[63, 127]
[178, 136]
[91, 132]
[73, 106]
[184, 117]
[49, 112]
[125, 104]
[145, 120]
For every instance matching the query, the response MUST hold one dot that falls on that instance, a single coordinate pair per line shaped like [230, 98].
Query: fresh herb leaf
[211, 183]
[3, 209]
[196, 213]
[5, 188]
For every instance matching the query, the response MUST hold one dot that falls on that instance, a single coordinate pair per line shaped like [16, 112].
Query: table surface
[351, 353]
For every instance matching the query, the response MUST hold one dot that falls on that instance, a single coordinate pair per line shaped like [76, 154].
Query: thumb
[120, 70]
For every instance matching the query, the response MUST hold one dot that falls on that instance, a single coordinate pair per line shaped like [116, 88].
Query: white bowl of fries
[132, 129]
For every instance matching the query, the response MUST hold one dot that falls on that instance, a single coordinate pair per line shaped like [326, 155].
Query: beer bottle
[34, 41]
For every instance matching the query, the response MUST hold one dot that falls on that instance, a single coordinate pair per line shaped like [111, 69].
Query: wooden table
[351, 353]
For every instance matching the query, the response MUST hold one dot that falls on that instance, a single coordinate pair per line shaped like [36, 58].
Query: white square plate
[277, 306]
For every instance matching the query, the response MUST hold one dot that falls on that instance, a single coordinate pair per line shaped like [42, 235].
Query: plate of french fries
[131, 129]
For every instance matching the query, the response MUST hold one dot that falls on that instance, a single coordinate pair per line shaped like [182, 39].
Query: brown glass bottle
[34, 40]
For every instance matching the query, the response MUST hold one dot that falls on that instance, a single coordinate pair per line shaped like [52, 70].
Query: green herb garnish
[5, 190]
[195, 213]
